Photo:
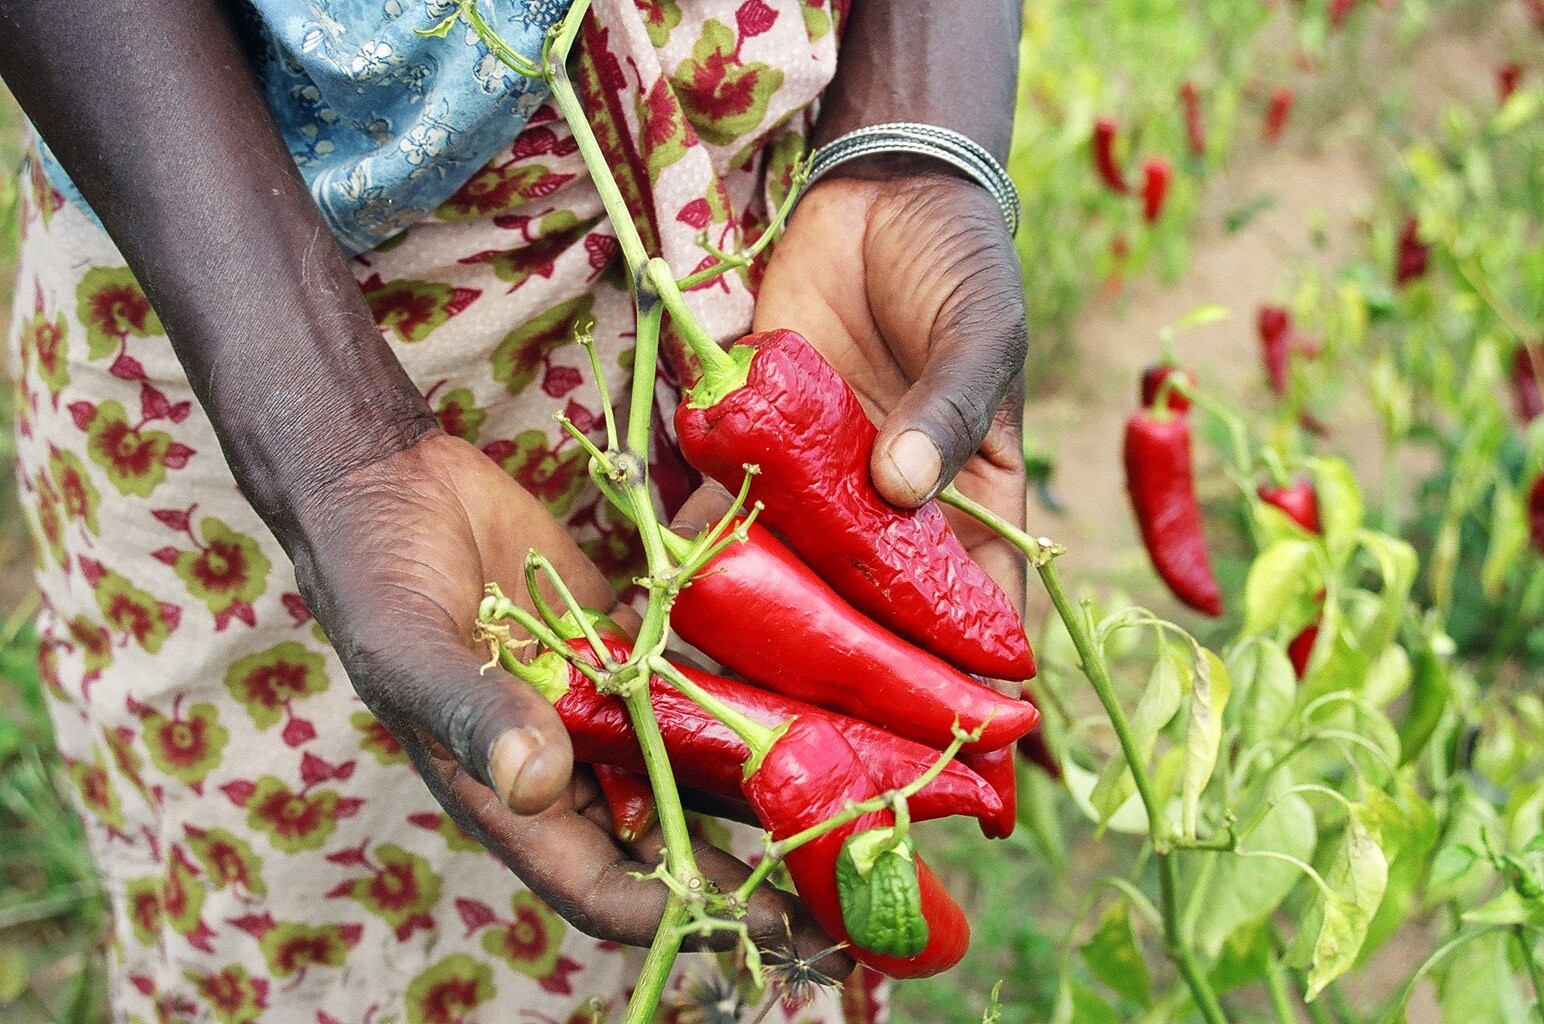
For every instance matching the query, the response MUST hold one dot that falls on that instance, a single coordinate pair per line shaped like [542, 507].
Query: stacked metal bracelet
[925, 140]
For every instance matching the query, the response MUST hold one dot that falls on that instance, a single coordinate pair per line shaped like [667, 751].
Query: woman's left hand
[909, 285]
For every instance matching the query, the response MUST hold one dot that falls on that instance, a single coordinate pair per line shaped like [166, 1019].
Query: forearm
[151, 108]
[933, 61]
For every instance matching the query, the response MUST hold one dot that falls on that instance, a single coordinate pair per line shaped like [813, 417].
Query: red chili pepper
[1536, 513]
[1412, 255]
[1038, 752]
[809, 774]
[1275, 325]
[1536, 12]
[1526, 395]
[1508, 76]
[794, 635]
[1161, 483]
[1152, 382]
[708, 755]
[1105, 130]
[798, 420]
[630, 798]
[1301, 504]
[1156, 175]
[1298, 500]
[1339, 10]
[997, 768]
[1195, 126]
[1278, 112]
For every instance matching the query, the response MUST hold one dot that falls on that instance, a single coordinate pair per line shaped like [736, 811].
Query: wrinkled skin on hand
[395, 571]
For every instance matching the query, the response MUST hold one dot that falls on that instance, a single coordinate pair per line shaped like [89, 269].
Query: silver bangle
[925, 140]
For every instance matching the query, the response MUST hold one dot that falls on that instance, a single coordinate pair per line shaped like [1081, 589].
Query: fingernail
[521, 767]
[917, 462]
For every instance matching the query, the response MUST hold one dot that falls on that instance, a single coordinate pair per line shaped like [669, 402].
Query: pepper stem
[756, 736]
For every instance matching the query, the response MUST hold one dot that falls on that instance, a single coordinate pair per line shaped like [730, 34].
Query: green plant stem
[716, 363]
[1041, 554]
[1277, 985]
[644, 1004]
[756, 736]
[645, 353]
[1525, 947]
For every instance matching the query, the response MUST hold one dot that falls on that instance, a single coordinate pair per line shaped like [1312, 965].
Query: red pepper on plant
[1508, 76]
[1536, 513]
[1411, 255]
[1105, 161]
[1526, 395]
[1156, 176]
[1339, 10]
[1152, 383]
[1161, 484]
[794, 635]
[800, 422]
[809, 774]
[1277, 112]
[1195, 125]
[996, 767]
[1300, 502]
[1275, 326]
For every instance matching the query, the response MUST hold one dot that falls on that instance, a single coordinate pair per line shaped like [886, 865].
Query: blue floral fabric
[385, 123]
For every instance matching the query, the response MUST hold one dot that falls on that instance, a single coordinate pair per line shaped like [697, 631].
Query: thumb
[976, 352]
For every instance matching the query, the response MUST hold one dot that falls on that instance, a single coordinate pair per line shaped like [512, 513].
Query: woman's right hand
[393, 562]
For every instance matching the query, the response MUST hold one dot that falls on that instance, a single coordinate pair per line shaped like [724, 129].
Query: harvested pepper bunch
[795, 417]
[1161, 483]
[796, 636]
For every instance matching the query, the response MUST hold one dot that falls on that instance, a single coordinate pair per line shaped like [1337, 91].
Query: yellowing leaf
[1208, 699]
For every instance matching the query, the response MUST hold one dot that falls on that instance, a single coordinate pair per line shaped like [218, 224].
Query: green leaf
[1340, 504]
[1388, 677]
[1130, 818]
[1264, 688]
[1281, 586]
[1243, 891]
[1089, 1008]
[1452, 863]
[1508, 539]
[1115, 958]
[1376, 755]
[1333, 932]
[1408, 835]
[1208, 699]
[1430, 689]
[1477, 984]
[1210, 313]
[441, 30]
[1397, 565]
[1520, 108]
[1244, 959]
[1534, 845]
[1158, 704]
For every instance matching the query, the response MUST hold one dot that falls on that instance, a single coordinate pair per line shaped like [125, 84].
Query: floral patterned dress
[268, 851]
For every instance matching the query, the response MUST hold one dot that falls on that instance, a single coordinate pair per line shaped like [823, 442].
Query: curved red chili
[1161, 483]
[1536, 513]
[791, 633]
[630, 799]
[798, 420]
[1156, 176]
[1105, 162]
[707, 755]
[810, 774]
[1411, 255]
[997, 769]
[1526, 395]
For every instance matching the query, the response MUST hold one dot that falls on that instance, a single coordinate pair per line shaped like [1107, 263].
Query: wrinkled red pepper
[1411, 256]
[1161, 483]
[1195, 126]
[707, 755]
[798, 420]
[997, 769]
[1152, 382]
[809, 774]
[794, 635]
[1156, 176]
[1536, 514]
[1105, 161]
[1278, 112]
[630, 799]
[1301, 504]
[1527, 397]
[1275, 325]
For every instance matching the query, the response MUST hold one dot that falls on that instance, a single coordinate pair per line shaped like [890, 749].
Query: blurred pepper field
[1349, 829]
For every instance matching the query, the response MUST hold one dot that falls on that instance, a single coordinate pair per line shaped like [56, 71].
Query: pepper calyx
[718, 381]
